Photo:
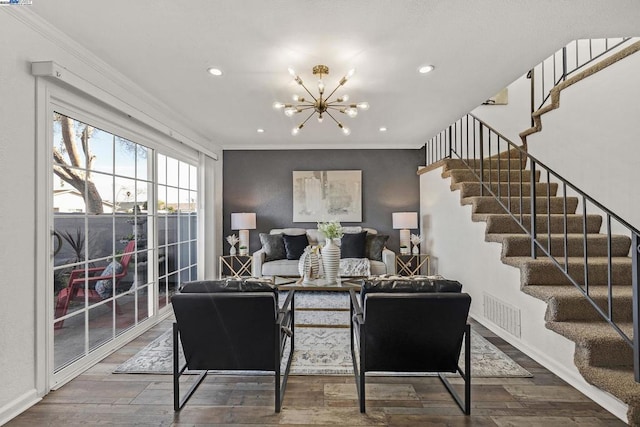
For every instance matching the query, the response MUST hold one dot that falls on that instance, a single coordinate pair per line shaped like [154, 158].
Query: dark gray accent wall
[262, 182]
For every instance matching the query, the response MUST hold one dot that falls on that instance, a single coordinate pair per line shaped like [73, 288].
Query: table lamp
[405, 221]
[244, 222]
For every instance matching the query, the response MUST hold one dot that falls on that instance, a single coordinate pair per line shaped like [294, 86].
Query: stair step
[489, 204]
[505, 163]
[567, 303]
[618, 381]
[597, 344]
[542, 271]
[504, 223]
[468, 189]
[597, 245]
[466, 175]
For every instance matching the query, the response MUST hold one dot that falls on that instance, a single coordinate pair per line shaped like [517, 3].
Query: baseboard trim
[18, 406]
[571, 376]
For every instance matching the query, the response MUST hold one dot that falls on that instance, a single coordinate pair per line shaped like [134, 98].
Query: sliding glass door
[124, 221]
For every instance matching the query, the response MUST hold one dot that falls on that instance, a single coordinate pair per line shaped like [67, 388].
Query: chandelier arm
[337, 107]
[334, 119]
[334, 91]
[306, 120]
[310, 94]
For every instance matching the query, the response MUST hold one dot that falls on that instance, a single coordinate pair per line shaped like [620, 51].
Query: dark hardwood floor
[98, 397]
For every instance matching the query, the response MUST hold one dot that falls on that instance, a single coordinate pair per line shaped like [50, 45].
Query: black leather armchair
[411, 326]
[231, 325]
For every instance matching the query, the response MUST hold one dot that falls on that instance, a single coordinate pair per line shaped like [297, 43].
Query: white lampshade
[405, 220]
[243, 221]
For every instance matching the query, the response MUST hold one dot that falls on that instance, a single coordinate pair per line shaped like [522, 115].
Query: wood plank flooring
[98, 397]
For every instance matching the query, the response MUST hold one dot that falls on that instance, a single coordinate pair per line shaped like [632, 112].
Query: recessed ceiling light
[383, 129]
[260, 130]
[215, 71]
[425, 69]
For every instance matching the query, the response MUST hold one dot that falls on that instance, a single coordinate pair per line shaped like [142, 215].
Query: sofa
[275, 259]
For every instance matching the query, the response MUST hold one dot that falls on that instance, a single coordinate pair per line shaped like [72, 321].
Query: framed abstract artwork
[327, 195]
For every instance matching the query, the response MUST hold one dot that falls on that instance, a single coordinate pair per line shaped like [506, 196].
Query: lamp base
[244, 242]
[405, 241]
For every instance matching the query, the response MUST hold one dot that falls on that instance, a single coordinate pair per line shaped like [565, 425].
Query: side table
[412, 265]
[236, 266]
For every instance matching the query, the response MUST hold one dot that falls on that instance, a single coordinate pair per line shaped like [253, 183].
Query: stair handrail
[566, 67]
[451, 143]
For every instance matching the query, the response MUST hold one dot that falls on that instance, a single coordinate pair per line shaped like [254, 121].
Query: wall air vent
[502, 314]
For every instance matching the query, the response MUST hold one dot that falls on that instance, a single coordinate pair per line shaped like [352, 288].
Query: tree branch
[69, 140]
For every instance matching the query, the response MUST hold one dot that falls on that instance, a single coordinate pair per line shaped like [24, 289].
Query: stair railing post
[532, 96]
[533, 210]
[564, 63]
[450, 141]
[635, 280]
[481, 159]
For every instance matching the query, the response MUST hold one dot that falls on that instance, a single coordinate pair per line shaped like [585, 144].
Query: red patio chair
[76, 288]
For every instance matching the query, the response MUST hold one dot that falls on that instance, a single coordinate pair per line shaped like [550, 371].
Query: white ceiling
[477, 47]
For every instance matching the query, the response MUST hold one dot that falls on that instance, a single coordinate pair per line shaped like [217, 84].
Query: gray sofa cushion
[374, 245]
[281, 267]
[377, 268]
[273, 246]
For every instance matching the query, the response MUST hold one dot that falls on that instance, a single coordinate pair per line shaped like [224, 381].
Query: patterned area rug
[324, 351]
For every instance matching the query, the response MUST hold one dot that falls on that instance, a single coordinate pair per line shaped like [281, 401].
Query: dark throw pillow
[353, 245]
[374, 246]
[273, 246]
[294, 245]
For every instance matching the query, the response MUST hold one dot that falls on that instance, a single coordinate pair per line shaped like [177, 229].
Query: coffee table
[318, 285]
[344, 284]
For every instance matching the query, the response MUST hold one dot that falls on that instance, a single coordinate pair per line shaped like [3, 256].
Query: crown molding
[141, 99]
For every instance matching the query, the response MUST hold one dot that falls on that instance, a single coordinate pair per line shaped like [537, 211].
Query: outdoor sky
[129, 163]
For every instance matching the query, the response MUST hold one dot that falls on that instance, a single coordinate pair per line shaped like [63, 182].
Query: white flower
[232, 239]
[331, 229]
[416, 239]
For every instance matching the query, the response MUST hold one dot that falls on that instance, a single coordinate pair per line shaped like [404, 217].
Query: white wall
[22, 41]
[17, 216]
[593, 139]
[513, 118]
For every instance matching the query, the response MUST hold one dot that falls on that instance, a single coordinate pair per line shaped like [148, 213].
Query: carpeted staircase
[601, 355]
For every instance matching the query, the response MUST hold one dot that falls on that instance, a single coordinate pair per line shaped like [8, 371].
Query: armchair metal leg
[467, 370]
[358, 370]
[178, 403]
[357, 339]
[466, 376]
[280, 390]
[281, 337]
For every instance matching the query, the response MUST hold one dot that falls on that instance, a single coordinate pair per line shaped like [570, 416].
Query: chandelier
[320, 104]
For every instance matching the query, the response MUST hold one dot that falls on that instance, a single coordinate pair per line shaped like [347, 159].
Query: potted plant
[331, 252]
